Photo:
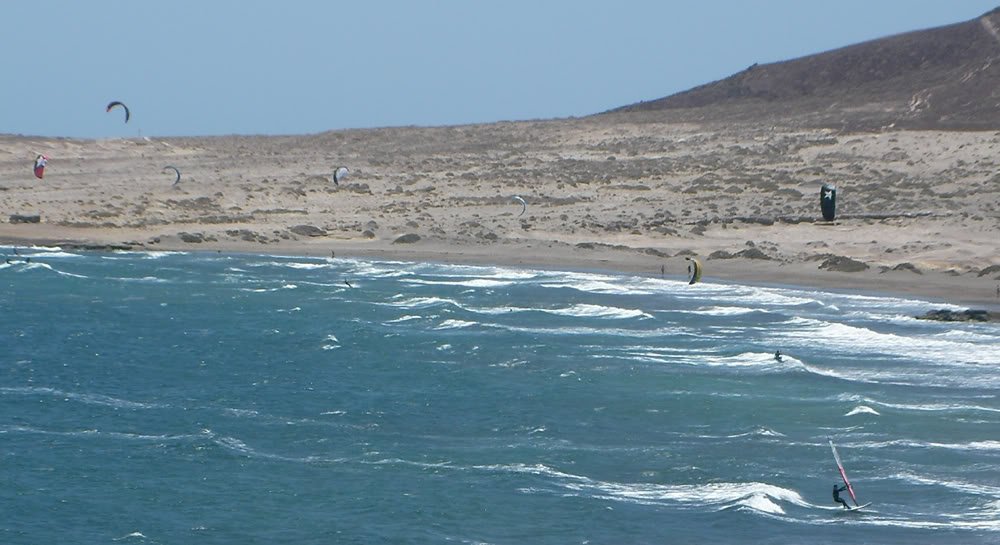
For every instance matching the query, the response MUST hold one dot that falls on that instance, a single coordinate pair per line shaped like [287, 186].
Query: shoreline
[918, 211]
[932, 287]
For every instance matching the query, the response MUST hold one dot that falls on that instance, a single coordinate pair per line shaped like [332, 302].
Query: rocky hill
[946, 77]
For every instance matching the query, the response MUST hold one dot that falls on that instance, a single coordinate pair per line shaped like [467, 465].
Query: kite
[694, 270]
[178, 172]
[524, 205]
[122, 104]
[40, 163]
[339, 174]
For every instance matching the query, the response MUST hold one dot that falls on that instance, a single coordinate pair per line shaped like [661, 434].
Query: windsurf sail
[843, 474]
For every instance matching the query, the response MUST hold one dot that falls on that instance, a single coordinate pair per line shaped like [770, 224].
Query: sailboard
[843, 475]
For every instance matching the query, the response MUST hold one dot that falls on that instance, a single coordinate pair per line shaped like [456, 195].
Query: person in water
[777, 355]
[836, 495]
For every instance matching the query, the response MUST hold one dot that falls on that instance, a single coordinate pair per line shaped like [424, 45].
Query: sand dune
[918, 210]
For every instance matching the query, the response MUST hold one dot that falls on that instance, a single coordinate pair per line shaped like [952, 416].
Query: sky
[213, 67]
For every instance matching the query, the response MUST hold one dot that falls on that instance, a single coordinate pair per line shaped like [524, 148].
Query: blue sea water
[220, 398]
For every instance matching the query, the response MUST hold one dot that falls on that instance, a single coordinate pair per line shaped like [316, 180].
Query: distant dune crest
[944, 78]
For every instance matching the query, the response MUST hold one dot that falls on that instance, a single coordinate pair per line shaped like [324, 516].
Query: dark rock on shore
[18, 218]
[408, 238]
[992, 269]
[841, 263]
[968, 315]
[307, 230]
[100, 247]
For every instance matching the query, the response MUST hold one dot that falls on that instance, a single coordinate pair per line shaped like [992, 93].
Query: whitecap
[55, 254]
[404, 318]
[977, 489]
[423, 302]
[923, 407]
[856, 339]
[142, 280]
[720, 495]
[727, 311]
[473, 283]
[598, 311]
[862, 409]
[455, 324]
[757, 432]
[86, 398]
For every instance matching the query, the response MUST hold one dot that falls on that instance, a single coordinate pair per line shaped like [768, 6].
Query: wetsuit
[836, 496]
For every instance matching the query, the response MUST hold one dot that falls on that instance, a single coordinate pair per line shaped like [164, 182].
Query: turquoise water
[213, 398]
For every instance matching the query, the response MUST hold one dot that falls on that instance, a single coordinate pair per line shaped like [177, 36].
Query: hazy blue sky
[297, 66]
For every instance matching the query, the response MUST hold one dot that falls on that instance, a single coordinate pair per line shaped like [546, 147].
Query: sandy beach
[918, 211]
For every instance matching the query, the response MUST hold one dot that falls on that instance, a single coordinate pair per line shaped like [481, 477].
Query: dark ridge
[946, 77]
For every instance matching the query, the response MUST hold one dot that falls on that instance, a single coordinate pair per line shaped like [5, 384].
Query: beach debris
[176, 171]
[694, 269]
[40, 163]
[339, 174]
[114, 104]
[524, 205]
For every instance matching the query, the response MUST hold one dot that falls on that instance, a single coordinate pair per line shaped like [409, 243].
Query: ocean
[161, 398]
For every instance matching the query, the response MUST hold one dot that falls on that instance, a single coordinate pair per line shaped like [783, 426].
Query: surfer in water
[836, 495]
[777, 355]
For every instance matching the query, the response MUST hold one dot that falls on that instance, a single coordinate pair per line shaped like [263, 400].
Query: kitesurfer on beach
[836, 495]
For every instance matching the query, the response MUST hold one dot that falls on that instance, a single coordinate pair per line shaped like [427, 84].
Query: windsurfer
[836, 495]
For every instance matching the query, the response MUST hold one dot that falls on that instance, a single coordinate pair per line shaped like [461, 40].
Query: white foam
[52, 254]
[746, 360]
[86, 398]
[159, 254]
[603, 331]
[862, 409]
[605, 286]
[269, 290]
[990, 445]
[423, 302]
[978, 489]
[727, 311]
[925, 407]
[45, 266]
[757, 432]
[142, 280]
[472, 283]
[854, 339]
[404, 318]
[455, 324]
[305, 266]
[754, 495]
[598, 311]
